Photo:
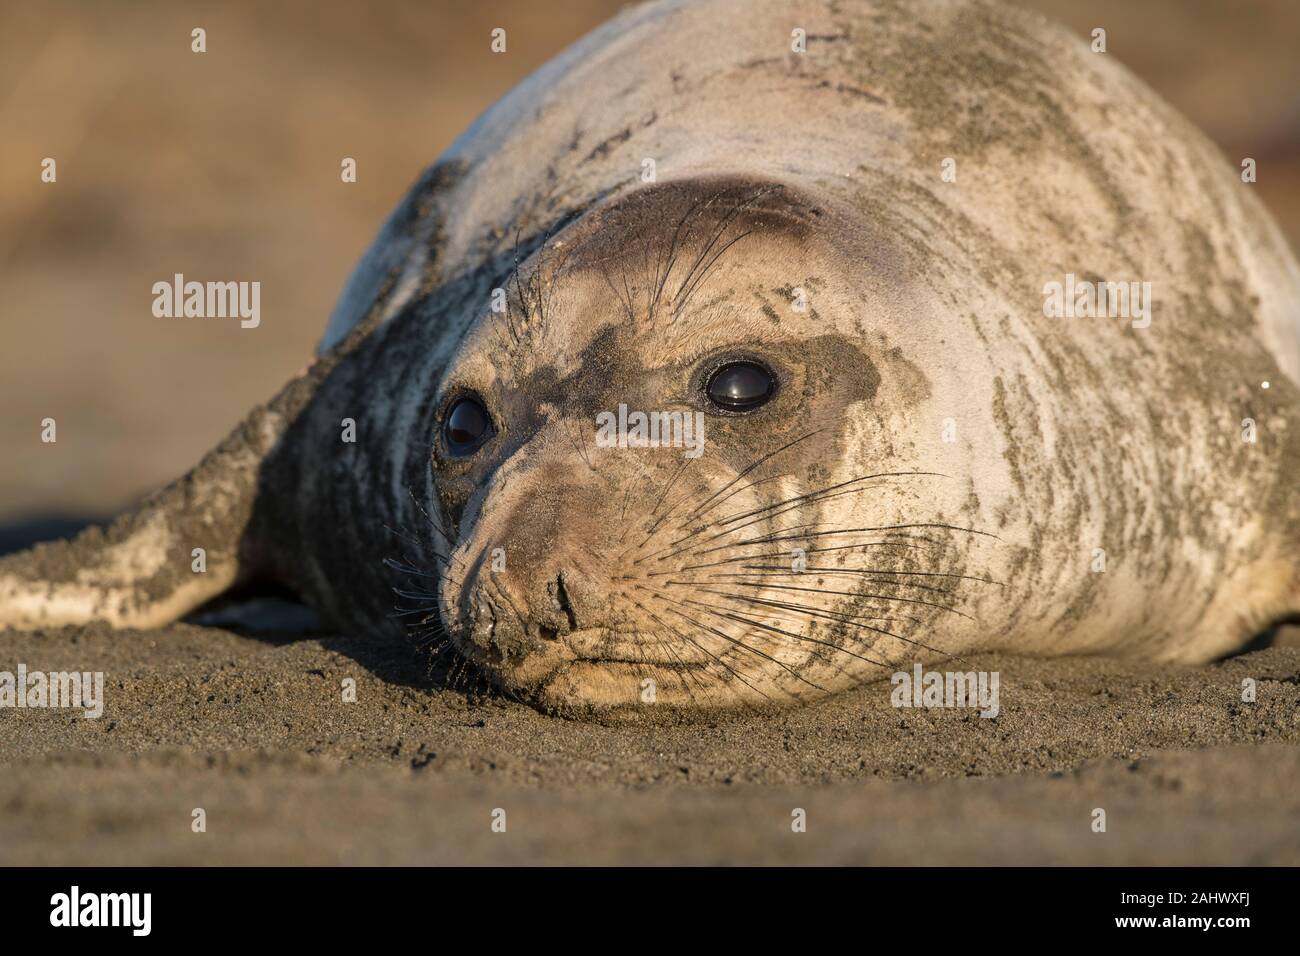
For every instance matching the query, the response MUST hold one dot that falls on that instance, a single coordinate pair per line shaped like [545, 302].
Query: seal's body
[866, 244]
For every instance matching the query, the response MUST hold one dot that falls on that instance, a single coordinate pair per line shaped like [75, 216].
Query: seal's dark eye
[740, 386]
[467, 426]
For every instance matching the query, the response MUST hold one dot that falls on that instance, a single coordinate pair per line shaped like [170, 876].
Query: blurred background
[226, 166]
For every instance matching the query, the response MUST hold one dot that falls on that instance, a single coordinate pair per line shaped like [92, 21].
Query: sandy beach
[254, 731]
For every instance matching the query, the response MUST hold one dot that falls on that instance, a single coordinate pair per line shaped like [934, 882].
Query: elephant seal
[972, 326]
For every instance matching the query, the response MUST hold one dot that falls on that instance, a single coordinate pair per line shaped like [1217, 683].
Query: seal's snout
[552, 599]
[538, 573]
[532, 610]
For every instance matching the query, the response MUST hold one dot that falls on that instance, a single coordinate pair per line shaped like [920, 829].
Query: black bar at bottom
[331, 906]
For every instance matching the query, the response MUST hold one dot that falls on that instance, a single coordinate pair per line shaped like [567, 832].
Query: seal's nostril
[562, 602]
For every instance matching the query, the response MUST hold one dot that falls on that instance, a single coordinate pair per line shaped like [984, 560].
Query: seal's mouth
[596, 646]
[602, 646]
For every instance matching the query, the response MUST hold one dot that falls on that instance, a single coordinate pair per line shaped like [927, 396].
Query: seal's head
[656, 453]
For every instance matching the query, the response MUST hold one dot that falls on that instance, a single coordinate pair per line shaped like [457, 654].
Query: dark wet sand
[255, 732]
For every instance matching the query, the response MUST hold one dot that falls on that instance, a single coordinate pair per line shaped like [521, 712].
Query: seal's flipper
[145, 568]
[181, 547]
